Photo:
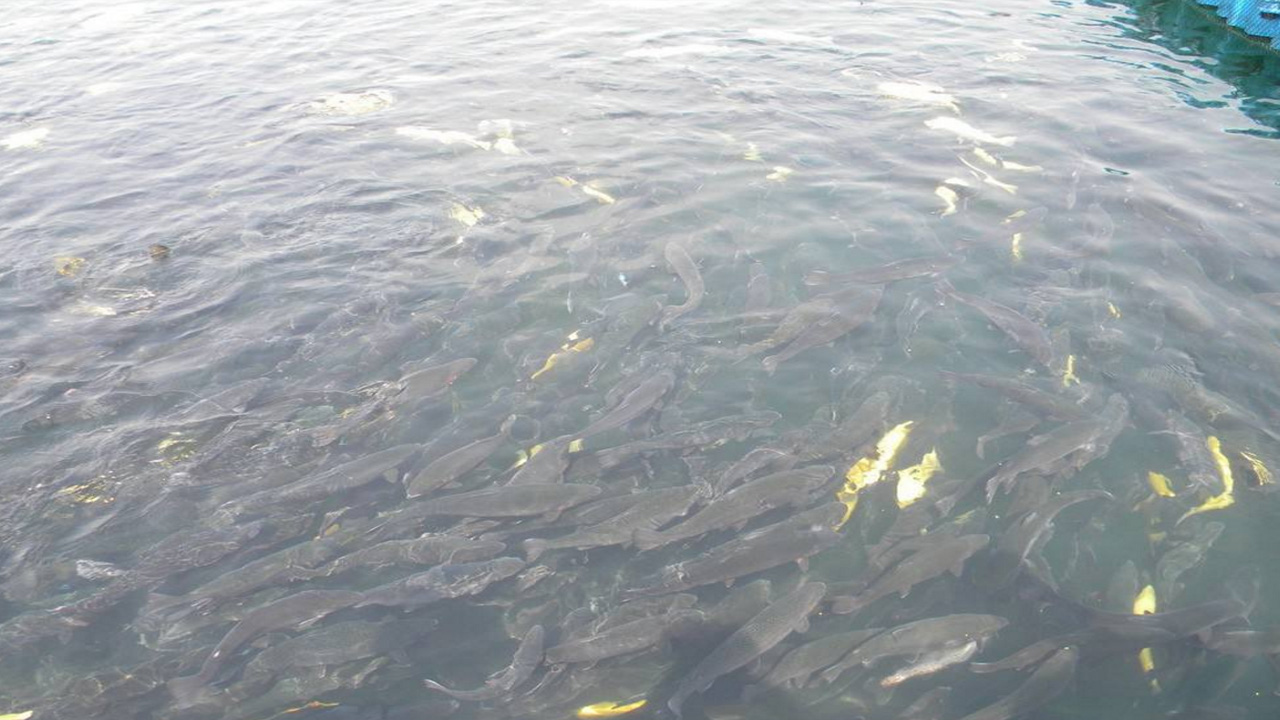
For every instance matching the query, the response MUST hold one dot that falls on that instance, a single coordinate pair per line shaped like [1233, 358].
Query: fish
[799, 664]
[919, 638]
[509, 501]
[527, 658]
[443, 582]
[892, 272]
[950, 200]
[345, 477]
[1047, 682]
[608, 709]
[1030, 531]
[546, 465]
[947, 555]
[653, 509]
[447, 468]
[431, 382]
[1042, 451]
[634, 404]
[1025, 333]
[332, 645]
[930, 663]
[771, 626]
[1184, 556]
[704, 434]
[790, 540]
[299, 609]
[623, 639]
[845, 313]
[741, 504]
[926, 93]
[1244, 643]
[966, 131]
[1058, 407]
[445, 137]
[425, 550]
[684, 266]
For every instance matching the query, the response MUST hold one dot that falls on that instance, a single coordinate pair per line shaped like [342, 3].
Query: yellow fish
[1159, 484]
[1015, 247]
[752, 153]
[912, 480]
[1069, 374]
[1145, 604]
[1115, 311]
[575, 446]
[467, 216]
[18, 715]
[604, 197]
[609, 709]
[868, 471]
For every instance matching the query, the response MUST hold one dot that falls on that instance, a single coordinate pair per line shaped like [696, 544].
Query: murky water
[280, 280]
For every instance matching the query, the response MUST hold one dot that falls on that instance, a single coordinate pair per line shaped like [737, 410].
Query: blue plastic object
[1260, 18]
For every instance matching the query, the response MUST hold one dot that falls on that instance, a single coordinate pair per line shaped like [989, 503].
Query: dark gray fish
[527, 658]
[1192, 449]
[546, 466]
[1123, 588]
[799, 665]
[443, 582]
[846, 314]
[684, 266]
[623, 639]
[298, 562]
[1245, 643]
[454, 464]
[861, 426]
[1025, 333]
[1055, 406]
[760, 634]
[740, 605]
[509, 501]
[894, 271]
[1014, 420]
[431, 381]
[791, 540]
[654, 509]
[637, 402]
[332, 645]
[426, 550]
[741, 504]
[918, 638]
[340, 479]
[700, 435]
[1029, 532]
[1047, 682]
[754, 461]
[299, 609]
[931, 705]
[181, 551]
[1182, 557]
[948, 555]
[1043, 451]
[808, 313]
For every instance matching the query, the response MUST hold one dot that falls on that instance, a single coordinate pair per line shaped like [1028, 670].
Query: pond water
[601, 358]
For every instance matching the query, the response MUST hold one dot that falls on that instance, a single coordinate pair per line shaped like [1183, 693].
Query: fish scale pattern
[1260, 18]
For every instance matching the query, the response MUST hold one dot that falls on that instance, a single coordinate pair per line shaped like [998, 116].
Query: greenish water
[287, 277]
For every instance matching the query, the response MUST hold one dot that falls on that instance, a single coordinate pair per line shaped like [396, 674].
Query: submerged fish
[1047, 682]
[967, 132]
[761, 633]
[442, 582]
[920, 92]
[684, 266]
[918, 638]
[1024, 332]
[894, 271]
[945, 555]
[527, 658]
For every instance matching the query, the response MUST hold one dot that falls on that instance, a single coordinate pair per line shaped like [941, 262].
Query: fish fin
[645, 539]
[533, 548]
